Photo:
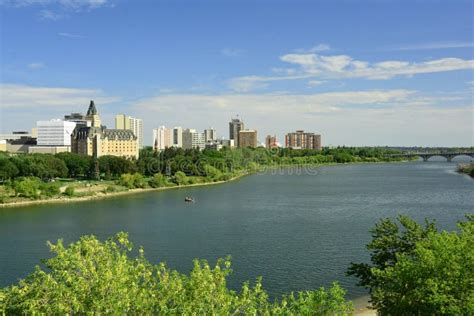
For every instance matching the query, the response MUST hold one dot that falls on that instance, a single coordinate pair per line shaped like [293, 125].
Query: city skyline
[198, 65]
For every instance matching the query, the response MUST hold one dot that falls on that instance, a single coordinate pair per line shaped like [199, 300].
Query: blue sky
[358, 72]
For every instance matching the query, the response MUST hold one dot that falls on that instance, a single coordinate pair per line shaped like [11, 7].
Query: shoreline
[101, 195]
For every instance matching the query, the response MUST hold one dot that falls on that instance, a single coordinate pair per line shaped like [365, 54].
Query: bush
[69, 191]
[132, 181]
[50, 189]
[419, 271]
[111, 189]
[158, 181]
[91, 277]
[27, 187]
[180, 178]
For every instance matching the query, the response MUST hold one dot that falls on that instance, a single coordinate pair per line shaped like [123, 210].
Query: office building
[54, 132]
[177, 137]
[271, 142]
[161, 138]
[192, 139]
[78, 118]
[124, 122]
[247, 138]
[96, 140]
[302, 140]
[235, 126]
[15, 135]
[210, 135]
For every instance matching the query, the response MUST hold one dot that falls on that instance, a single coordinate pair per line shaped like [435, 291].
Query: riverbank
[105, 195]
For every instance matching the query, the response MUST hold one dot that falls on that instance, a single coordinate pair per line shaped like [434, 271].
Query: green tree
[27, 187]
[8, 169]
[180, 178]
[50, 189]
[91, 277]
[418, 271]
[158, 181]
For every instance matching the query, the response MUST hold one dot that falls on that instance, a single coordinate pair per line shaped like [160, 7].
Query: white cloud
[344, 66]
[231, 52]
[249, 83]
[375, 117]
[13, 96]
[316, 48]
[314, 83]
[50, 15]
[430, 46]
[36, 65]
[70, 35]
[71, 4]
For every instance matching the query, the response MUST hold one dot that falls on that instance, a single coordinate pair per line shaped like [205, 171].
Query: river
[298, 230]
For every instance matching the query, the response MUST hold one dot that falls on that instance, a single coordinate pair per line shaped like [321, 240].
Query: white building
[177, 137]
[193, 139]
[135, 125]
[210, 135]
[161, 138]
[167, 137]
[54, 133]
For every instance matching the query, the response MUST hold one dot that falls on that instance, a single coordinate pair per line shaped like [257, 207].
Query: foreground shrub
[158, 180]
[419, 271]
[100, 278]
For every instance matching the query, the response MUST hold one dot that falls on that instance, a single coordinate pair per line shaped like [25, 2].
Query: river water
[298, 230]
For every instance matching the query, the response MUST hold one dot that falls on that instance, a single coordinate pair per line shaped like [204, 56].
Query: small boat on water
[188, 199]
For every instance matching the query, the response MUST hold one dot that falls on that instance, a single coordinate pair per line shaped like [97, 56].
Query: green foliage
[115, 166]
[132, 181]
[50, 189]
[69, 191]
[8, 169]
[27, 187]
[77, 165]
[416, 270]
[91, 277]
[180, 178]
[158, 181]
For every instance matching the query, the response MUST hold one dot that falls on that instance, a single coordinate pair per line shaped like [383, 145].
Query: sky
[375, 73]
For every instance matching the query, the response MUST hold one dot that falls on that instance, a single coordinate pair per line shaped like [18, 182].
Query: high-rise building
[167, 137]
[54, 132]
[271, 142]
[135, 125]
[235, 126]
[78, 118]
[177, 137]
[161, 138]
[210, 135]
[248, 138]
[192, 139]
[302, 140]
[96, 140]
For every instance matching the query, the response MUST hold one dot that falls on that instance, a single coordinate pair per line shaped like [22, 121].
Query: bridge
[425, 156]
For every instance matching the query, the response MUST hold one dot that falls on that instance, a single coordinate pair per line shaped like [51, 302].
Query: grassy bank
[102, 190]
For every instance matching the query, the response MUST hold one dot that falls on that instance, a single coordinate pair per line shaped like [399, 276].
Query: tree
[8, 170]
[77, 165]
[418, 271]
[50, 189]
[93, 277]
[158, 180]
[27, 187]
